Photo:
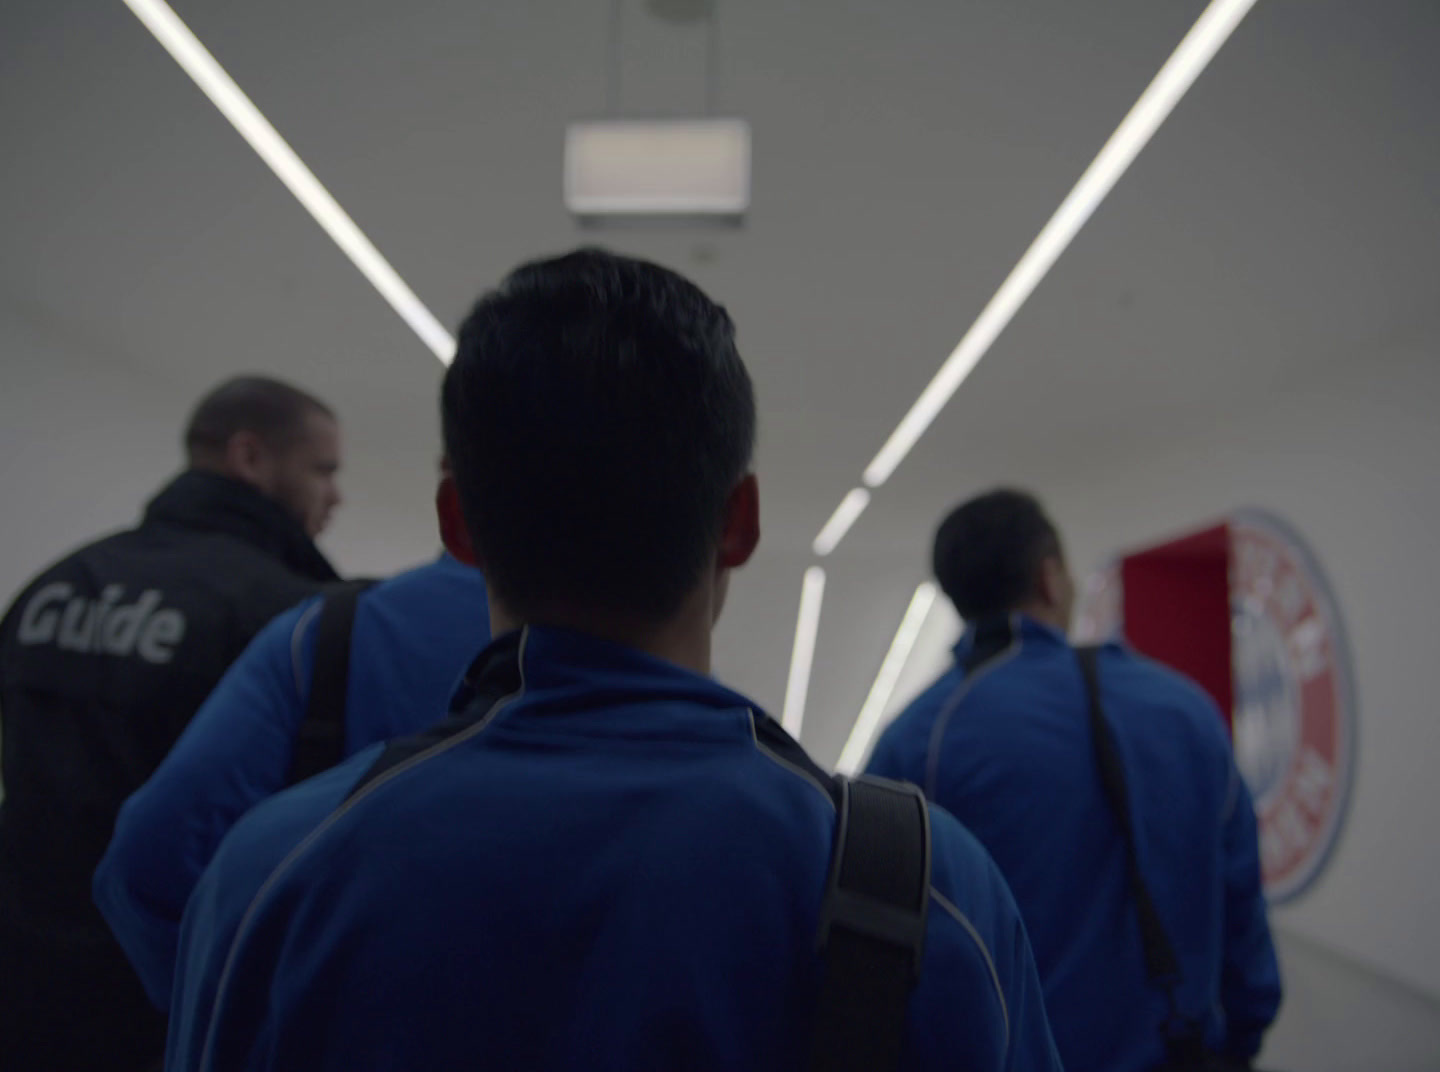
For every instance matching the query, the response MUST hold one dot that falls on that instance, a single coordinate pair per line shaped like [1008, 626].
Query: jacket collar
[983, 640]
[560, 670]
[209, 502]
[567, 686]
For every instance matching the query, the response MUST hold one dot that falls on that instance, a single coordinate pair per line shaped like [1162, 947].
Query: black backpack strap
[320, 744]
[1182, 1035]
[872, 925]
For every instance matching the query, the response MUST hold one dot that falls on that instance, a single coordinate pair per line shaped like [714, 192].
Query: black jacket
[103, 660]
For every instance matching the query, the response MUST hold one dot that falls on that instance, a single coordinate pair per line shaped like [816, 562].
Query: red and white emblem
[1294, 713]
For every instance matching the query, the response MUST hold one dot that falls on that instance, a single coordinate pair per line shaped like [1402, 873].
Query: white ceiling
[906, 152]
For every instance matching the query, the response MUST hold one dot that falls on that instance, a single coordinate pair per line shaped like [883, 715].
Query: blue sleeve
[236, 752]
[1250, 972]
[968, 887]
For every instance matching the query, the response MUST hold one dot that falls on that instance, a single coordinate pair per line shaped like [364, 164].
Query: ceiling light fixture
[160, 19]
[812, 591]
[868, 721]
[658, 167]
[1192, 55]
[850, 508]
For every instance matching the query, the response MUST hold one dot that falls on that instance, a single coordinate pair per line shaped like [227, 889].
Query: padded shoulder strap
[872, 925]
[1160, 960]
[321, 741]
[1183, 1036]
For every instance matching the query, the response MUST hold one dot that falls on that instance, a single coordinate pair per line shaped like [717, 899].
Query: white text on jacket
[102, 626]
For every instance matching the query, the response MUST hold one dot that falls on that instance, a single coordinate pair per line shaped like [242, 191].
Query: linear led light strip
[1211, 30]
[851, 507]
[868, 721]
[212, 79]
[1192, 55]
[812, 591]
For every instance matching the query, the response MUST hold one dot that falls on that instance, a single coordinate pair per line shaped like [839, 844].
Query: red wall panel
[1177, 608]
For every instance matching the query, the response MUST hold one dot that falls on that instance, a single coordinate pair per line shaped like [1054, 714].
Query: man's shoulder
[253, 567]
[272, 832]
[928, 702]
[283, 646]
[444, 569]
[257, 586]
[903, 745]
[961, 867]
[72, 562]
[442, 585]
[204, 568]
[1152, 685]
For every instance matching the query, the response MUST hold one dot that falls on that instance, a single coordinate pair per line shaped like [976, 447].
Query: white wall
[1351, 458]
[85, 437]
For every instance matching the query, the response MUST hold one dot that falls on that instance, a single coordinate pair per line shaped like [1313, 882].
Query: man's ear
[741, 532]
[453, 532]
[1054, 582]
[249, 458]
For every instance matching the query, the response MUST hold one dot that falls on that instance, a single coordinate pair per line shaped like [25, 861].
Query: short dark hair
[271, 409]
[989, 550]
[597, 416]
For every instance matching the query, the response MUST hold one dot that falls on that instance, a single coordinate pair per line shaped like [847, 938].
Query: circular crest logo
[1294, 714]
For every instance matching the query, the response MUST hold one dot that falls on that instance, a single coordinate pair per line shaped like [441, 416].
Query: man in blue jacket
[608, 860]
[412, 638]
[1003, 742]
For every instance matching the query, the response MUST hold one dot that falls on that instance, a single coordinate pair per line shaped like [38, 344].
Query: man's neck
[683, 640]
[1045, 615]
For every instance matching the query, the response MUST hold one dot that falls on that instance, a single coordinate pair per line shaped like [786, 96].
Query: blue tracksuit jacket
[1008, 751]
[607, 862]
[413, 637]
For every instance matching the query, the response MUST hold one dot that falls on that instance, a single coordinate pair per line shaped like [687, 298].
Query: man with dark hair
[1005, 742]
[103, 659]
[999, 553]
[607, 859]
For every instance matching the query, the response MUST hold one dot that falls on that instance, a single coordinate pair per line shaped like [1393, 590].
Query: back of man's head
[269, 409]
[990, 554]
[597, 417]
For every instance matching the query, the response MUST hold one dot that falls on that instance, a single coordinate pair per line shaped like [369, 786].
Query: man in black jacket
[103, 659]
